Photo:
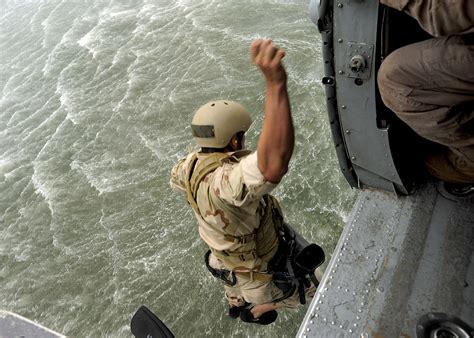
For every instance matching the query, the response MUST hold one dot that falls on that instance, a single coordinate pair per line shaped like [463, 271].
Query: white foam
[69, 251]
[102, 173]
[127, 92]
[99, 184]
[91, 40]
[155, 150]
[44, 122]
[66, 40]
[86, 41]
[14, 171]
[41, 188]
[7, 165]
[66, 102]
[46, 24]
[34, 18]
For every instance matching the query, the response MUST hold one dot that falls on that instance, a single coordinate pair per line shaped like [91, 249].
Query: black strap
[301, 292]
[222, 274]
[314, 279]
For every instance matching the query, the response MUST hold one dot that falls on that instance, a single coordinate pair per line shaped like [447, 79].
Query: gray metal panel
[398, 258]
[13, 325]
[355, 32]
[375, 180]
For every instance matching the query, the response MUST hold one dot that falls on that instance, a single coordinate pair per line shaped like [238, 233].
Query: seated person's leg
[430, 86]
[438, 17]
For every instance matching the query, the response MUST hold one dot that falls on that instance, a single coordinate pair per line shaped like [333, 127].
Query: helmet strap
[237, 141]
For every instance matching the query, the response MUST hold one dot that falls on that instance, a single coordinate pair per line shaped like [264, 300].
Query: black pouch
[278, 267]
[295, 262]
[304, 255]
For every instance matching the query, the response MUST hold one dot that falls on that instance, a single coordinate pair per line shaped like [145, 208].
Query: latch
[359, 59]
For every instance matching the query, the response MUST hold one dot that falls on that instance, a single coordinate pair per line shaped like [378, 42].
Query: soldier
[430, 86]
[228, 188]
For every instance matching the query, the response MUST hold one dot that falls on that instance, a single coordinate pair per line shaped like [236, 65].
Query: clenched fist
[266, 56]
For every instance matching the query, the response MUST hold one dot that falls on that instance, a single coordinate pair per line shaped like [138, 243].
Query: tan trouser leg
[438, 17]
[430, 86]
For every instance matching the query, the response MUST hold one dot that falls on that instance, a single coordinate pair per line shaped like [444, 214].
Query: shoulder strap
[197, 172]
[187, 183]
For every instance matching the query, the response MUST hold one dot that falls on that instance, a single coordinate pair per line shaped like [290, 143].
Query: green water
[96, 102]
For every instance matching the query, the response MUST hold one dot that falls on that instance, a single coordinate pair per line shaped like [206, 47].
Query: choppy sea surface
[96, 103]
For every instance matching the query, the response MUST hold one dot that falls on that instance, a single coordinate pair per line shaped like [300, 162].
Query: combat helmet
[215, 123]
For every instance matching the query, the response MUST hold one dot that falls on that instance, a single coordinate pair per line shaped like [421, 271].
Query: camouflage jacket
[231, 201]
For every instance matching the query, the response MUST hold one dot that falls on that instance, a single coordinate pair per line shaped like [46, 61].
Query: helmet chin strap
[237, 141]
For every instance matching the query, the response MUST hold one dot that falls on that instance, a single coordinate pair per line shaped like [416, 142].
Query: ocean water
[96, 102]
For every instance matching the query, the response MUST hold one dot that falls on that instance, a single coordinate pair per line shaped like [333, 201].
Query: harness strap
[314, 280]
[252, 274]
[196, 174]
[273, 211]
[187, 183]
[240, 239]
[207, 165]
[242, 256]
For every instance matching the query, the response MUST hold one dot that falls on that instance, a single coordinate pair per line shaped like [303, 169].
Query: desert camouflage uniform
[230, 201]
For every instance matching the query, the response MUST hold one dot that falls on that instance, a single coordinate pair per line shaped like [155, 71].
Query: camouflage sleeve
[178, 174]
[243, 183]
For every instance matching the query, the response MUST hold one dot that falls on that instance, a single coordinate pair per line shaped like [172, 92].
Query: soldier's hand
[266, 56]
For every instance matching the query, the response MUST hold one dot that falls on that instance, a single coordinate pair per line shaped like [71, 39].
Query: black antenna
[145, 324]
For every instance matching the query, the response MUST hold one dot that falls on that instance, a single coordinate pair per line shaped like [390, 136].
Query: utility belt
[292, 267]
[229, 277]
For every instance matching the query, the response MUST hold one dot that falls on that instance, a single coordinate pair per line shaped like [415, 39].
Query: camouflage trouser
[257, 292]
[430, 86]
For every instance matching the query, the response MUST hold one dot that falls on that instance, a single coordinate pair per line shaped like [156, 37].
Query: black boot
[234, 311]
[265, 319]
[459, 189]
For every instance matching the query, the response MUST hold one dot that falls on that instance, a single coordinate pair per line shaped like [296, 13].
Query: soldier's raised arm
[276, 142]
